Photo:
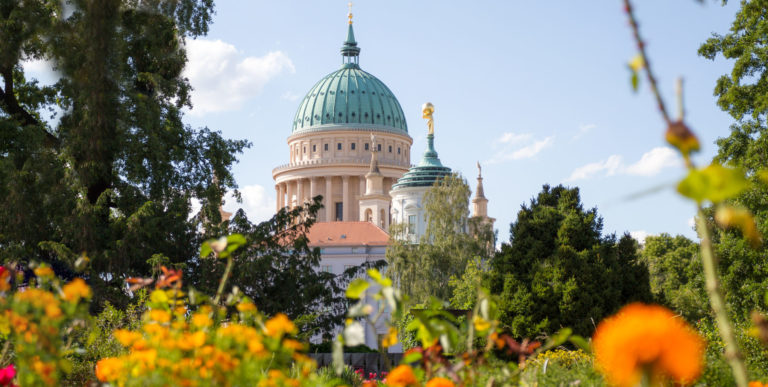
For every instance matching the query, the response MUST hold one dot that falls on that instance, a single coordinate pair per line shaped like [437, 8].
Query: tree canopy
[423, 269]
[558, 270]
[743, 93]
[100, 163]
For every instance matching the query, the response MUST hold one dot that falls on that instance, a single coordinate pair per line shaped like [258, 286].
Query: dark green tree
[113, 174]
[676, 274]
[743, 93]
[423, 270]
[559, 271]
[280, 272]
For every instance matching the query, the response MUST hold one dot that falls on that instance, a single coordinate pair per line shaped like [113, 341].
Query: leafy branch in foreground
[713, 184]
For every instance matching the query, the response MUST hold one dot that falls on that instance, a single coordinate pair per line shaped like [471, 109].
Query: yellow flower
[246, 307]
[52, 311]
[192, 340]
[126, 337]
[109, 369]
[201, 320]
[44, 271]
[481, 324]
[647, 338]
[440, 382]
[278, 325]
[159, 315]
[390, 339]
[293, 345]
[76, 290]
[401, 376]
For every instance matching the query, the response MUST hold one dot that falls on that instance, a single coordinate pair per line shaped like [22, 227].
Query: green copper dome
[350, 97]
[427, 172]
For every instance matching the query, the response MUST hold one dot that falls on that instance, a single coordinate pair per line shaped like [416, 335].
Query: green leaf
[205, 249]
[559, 338]
[714, 183]
[412, 357]
[635, 80]
[763, 176]
[581, 343]
[235, 241]
[356, 288]
[381, 280]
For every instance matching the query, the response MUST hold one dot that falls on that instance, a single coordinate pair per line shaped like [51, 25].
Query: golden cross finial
[350, 12]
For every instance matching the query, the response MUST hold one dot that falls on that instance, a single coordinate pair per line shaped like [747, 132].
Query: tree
[743, 93]
[676, 274]
[114, 175]
[559, 271]
[422, 270]
[279, 271]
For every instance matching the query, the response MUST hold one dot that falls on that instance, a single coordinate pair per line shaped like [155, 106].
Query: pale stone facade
[333, 163]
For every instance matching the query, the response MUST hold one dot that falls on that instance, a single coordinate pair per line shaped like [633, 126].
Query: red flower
[6, 375]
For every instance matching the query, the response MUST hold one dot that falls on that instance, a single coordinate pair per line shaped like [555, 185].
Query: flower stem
[732, 353]
[223, 280]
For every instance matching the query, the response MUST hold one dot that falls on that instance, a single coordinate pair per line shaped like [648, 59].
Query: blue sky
[537, 91]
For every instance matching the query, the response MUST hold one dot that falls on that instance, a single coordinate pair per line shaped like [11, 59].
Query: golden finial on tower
[349, 15]
[427, 109]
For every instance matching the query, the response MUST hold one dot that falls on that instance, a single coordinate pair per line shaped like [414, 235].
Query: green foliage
[561, 367]
[98, 341]
[464, 287]
[743, 93]
[717, 373]
[422, 270]
[276, 268]
[676, 274]
[113, 174]
[559, 271]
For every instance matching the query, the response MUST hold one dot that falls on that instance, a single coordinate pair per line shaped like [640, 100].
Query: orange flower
[278, 325]
[401, 376]
[109, 369]
[440, 382]
[44, 271]
[5, 275]
[647, 337]
[76, 290]
[756, 384]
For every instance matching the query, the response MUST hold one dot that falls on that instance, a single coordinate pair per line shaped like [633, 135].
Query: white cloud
[610, 166]
[692, 222]
[640, 235]
[584, 129]
[532, 149]
[651, 163]
[513, 138]
[257, 203]
[223, 79]
[518, 146]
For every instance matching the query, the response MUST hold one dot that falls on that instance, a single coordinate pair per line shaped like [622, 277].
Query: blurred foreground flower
[401, 376]
[647, 339]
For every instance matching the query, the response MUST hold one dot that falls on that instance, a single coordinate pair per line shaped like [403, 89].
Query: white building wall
[408, 202]
[339, 258]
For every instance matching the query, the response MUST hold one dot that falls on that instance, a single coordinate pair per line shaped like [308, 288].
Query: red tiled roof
[347, 234]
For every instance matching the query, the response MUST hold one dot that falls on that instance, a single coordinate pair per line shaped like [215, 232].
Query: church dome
[350, 97]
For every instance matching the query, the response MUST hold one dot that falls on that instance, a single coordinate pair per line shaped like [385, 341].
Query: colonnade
[294, 192]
